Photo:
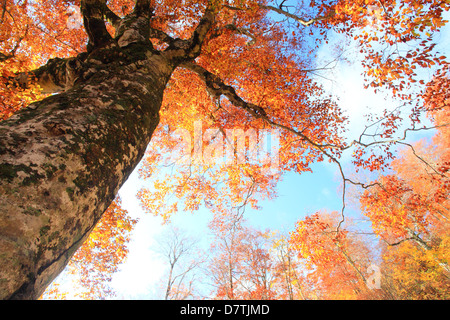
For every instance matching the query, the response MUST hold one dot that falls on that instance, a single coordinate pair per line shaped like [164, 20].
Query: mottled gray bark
[64, 159]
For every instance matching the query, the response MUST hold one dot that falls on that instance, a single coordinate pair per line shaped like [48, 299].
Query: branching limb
[188, 50]
[216, 88]
[279, 10]
[55, 76]
[93, 12]
[135, 27]
[302, 21]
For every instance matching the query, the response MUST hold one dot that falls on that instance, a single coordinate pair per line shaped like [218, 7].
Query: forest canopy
[215, 102]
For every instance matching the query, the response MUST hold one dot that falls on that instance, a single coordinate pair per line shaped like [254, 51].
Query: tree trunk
[63, 160]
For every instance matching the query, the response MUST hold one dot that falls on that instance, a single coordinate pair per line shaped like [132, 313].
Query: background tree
[291, 280]
[184, 259]
[411, 273]
[336, 261]
[226, 262]
[409, 209]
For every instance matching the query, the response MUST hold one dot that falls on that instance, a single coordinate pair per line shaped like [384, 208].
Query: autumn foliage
[255, 72]
[94, 263]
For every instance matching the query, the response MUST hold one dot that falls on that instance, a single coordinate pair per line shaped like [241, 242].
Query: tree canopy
[226, 96]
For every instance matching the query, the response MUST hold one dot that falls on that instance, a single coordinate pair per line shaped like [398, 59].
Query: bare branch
[302, 21]
[279, 10]
[176, 247]
[396, 243]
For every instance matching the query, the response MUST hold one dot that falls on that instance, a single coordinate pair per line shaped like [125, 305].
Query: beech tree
[183, 258]
[241, 266]
[338, 262]
[77, 125]
[410, 210]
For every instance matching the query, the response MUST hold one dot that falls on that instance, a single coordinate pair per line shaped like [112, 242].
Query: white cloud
[140, 275]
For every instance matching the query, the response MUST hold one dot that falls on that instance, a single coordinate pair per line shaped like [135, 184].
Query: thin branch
[420, 158]
[279, 10]
[94, 24]
[302, 21]
[216, 88]
[186, 50]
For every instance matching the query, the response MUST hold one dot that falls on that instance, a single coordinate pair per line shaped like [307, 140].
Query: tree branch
[55, 76]
[279, 10]
[216, 88]
[302, 21]
[111, 17]
[189, 49]
[143, 8]
[93, 12]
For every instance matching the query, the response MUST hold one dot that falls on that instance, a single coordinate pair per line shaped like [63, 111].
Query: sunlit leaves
[396, 37]
[337, 262]
[409, 212]
[100, 256]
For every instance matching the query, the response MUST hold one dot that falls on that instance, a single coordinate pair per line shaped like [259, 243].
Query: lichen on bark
[68, 155]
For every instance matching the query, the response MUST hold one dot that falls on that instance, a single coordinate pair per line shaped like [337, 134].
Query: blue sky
[298, 195]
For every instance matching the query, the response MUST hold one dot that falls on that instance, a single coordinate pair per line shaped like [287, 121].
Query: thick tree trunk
[63, 160]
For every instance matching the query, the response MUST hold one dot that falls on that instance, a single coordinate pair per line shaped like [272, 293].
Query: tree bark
[63, 160]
